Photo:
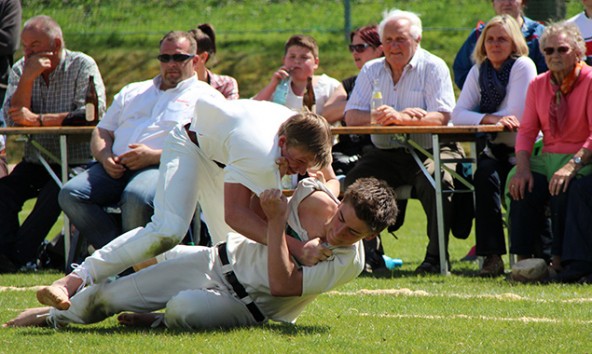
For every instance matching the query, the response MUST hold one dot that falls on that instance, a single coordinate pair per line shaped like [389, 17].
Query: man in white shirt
[416, 90]
[128, 142]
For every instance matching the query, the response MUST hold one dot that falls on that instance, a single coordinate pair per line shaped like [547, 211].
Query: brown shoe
[493, 266]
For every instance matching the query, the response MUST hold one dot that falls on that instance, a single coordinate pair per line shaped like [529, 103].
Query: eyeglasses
[179, 58]
[358, 48]
[561, 50]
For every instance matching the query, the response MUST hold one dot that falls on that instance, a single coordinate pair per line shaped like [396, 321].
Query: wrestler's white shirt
[249, 261]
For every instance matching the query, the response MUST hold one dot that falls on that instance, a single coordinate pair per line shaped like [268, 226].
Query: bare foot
[58, 294]
[54, 296]
[139, 319]
[35, 317]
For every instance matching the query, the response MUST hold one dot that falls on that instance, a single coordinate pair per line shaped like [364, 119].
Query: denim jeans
[84, 197]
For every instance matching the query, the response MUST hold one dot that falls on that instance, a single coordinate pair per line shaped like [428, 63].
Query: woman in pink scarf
[558, 104]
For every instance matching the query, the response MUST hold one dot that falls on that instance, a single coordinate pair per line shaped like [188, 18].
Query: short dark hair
[310, 132]
[177, 35]
[374, 202]
[302, 40]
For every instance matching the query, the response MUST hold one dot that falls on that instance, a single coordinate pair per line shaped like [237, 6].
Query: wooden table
[63, 133]
[439, 134]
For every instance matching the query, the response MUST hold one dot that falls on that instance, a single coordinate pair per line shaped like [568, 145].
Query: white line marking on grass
[422, 293]
[522, 319]
[15, 288]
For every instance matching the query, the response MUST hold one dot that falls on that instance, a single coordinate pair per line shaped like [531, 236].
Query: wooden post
[545, 10]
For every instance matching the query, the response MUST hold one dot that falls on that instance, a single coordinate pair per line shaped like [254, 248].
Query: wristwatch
[577, 160]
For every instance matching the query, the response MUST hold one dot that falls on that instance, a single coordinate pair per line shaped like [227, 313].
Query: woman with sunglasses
[364, 46]
[205, 36]
[494, 93]
[558, 104]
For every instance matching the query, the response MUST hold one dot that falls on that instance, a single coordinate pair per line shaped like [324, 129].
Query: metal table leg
[64, 164]
[439, 205]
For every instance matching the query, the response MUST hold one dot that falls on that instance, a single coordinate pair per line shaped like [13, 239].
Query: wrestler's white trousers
[187, 177]
[191, 288]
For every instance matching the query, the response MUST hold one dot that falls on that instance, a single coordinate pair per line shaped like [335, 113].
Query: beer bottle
[91, 102]
[309, 99]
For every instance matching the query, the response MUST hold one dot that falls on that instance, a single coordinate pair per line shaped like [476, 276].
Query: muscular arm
[285, 279]
[240, 216]
[246, 220]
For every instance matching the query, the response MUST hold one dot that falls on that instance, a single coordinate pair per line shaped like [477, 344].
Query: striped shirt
[64, 93]
[425, 83]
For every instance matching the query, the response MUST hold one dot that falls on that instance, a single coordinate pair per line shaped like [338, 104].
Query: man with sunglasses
[45, 87]
[127, 145]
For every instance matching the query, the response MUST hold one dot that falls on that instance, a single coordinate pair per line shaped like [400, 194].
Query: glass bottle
[91, 102]
[309, 100]
[376, 101]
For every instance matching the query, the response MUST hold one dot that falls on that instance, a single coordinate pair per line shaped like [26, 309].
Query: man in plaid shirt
[45, 87]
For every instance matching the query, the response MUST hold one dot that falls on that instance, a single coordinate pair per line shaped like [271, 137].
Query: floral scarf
[558, 106]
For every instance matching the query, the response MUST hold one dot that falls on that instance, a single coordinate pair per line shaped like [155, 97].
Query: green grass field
[396, 313]
[399, 313]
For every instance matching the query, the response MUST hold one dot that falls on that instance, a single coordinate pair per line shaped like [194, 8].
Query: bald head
[47, 25]
[42, 41]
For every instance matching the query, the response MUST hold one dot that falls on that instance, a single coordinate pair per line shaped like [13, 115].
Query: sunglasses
[358, 48]
[560, 50]
[179, 58]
